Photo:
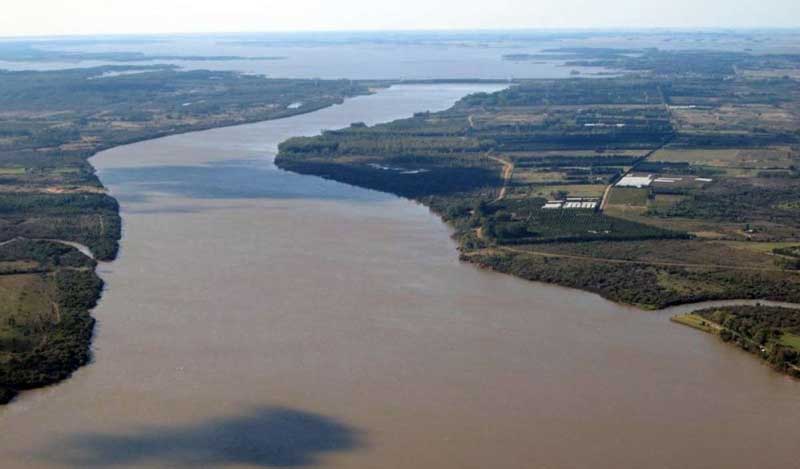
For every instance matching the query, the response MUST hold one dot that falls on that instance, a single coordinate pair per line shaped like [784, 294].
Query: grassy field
[521, 176]
[628, 196]
[45, 327]
[748, 158]
[791, 340]
[26, 310]
[696, 322]
[572, 190]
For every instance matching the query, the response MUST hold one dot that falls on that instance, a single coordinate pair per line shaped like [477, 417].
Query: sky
[80, 17]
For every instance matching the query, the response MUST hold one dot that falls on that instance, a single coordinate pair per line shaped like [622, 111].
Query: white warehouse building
[636, 181]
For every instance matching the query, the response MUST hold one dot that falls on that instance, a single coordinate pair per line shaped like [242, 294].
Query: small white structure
[636, 181]
[572, 203]
[600, 124]
[668, 180]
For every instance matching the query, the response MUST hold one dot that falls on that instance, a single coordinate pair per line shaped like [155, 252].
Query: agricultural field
[748, 158]
[561, 191]
[46, 290]
[720, 148]
[628, 196]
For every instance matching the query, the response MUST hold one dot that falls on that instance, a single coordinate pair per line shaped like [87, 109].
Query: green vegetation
[50, 124]
[53, 121]
[789, 251]
[773, 333]
[653, 247]
[628, 196]
[45, 326]
[696, 322]
[718, 130]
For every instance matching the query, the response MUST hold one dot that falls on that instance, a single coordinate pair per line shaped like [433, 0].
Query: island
[43, 51]
[56, 219]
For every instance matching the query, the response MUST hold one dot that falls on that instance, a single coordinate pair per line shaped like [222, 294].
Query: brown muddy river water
[259, 319]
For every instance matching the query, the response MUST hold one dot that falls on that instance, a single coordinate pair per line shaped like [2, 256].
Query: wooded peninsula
[674, 182]
[770, 332]
[665, 185]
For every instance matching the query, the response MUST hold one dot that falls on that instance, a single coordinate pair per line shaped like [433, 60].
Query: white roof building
[636, 181]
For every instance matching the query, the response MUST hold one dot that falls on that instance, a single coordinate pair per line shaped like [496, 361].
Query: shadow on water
[229, 180]
[264, 437]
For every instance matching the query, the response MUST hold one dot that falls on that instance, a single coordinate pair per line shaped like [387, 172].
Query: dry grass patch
[629, 196]
[762, 158]
[572, 190]
[735, 117]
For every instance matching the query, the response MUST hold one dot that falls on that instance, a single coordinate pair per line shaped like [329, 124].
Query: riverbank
[772, 333]
[105, 248]
[547, 220]
[53, 207]
[47, 289]
[307, 291]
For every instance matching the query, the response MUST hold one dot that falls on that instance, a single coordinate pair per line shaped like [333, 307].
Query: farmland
[720, 149]
[46, 290]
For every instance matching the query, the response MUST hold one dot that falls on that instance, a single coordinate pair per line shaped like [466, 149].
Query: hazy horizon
[147, 17]
[443, 31]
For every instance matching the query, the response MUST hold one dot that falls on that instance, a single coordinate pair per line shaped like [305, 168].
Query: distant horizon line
[542, 30]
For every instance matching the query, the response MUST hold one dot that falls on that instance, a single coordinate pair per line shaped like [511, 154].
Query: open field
[696, 322]
[628, 196]
[45, 327]
[791, 340]
[764, 158]
[574, 190]
[25, 305]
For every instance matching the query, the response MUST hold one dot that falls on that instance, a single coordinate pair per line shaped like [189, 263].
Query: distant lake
[330, 61]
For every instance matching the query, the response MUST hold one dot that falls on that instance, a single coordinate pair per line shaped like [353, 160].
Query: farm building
[572, 203]
[636, 181]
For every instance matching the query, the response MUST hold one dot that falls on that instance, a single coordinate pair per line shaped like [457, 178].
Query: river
[257, 318]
